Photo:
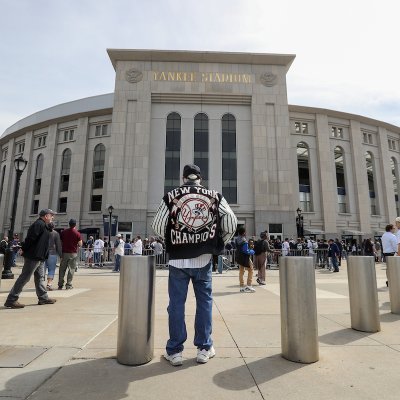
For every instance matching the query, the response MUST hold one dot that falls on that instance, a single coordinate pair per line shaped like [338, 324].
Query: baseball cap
[46, 211]
[397, 219]
[72, 221]
[191, 171]
[119, 235]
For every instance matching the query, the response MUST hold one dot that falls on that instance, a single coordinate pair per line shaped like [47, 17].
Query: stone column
[363, 208]
[327, 174]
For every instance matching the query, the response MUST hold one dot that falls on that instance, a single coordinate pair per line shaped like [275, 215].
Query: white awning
[354, 233]
[313, 232]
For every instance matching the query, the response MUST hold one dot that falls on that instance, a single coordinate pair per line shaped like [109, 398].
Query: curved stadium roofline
[87, 106]
[96, 105]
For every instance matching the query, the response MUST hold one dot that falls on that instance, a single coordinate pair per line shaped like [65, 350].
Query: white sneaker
[204, 355]
[249, 289]
[241, 289]
[174, 359]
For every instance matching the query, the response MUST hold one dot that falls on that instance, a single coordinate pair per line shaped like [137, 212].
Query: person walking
[196, 223]
[98, 248]
[261, 248]
[333, 253]
[35, 250]
[119, 251]
[389, 244]
[71, 240]
[243, 253]
[55, 251]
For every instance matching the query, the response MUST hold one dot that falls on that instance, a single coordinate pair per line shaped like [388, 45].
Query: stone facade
[151, 84]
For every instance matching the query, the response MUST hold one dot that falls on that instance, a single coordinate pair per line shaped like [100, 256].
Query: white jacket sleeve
[228, 221]
[160, 220]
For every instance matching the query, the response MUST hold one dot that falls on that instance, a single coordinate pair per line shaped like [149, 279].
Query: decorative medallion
[268, 79]
[133, 75]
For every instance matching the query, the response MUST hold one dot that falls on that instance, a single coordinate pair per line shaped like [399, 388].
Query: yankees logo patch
[194, 212]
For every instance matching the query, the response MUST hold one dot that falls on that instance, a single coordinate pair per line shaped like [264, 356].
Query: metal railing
[106, 257]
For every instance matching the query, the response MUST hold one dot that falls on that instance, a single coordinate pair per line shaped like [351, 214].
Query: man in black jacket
[35, 251]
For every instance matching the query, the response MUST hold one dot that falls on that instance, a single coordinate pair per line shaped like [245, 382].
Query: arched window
[37, 184]
[172, 152]
[201, 145]
[393, 166]
[99, 157]
[303, 168]
[64, 181]
[340, 179]
[371, 182]
[229, 160]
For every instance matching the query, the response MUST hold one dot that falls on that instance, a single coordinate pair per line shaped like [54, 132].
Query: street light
[299, 223]
[110, 210]
[20, 165]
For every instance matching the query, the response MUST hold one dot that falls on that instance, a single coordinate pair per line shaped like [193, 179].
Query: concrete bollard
[393, 273]
[299, 324]
[1, 266]
[363, 293]
[135, 345]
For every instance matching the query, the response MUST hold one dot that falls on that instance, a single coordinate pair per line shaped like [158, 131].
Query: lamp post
[110, 210]
[20, 165]
[299, 223]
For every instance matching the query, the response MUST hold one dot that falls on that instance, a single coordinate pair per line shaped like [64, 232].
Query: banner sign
[114, 224]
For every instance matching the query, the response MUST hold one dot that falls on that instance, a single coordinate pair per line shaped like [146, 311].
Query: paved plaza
[67, 350]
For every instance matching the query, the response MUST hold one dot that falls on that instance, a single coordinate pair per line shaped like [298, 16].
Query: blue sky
[347, 51]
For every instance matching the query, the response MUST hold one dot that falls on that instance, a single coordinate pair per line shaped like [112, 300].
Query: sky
[347, 51]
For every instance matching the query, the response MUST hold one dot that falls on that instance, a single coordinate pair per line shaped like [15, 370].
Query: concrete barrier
[299, 325]
[135, 344]
[363, 293]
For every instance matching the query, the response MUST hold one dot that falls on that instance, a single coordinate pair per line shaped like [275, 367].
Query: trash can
[363, 293]
[299, 324]
[135, 345]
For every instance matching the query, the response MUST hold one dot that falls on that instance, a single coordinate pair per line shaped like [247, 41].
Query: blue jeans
[50, 265]
[178, 283]
[335, 263]
[117, 262]
[97, 257]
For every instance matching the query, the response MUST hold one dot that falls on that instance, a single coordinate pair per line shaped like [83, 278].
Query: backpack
[258, 247]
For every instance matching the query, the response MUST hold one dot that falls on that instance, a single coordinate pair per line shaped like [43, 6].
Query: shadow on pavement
[342, 337]
[90, 380]
[262, 370]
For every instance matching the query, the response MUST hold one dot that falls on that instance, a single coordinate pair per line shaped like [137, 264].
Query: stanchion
[364, 307]
[393, 269]
[299, 325]
[135, 345]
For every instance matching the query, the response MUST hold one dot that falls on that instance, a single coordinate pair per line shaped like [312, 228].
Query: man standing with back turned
[71, 240]
[196, 223]
[35, 251]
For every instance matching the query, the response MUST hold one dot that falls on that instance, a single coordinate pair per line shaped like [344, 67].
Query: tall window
[229, 160]
[64, 182]
[37, 185]
[371, 182]
[99, 156]
[304, 177]
[172, 152]
[393, 166]
[3, 174]
[38, 175]
[340, 180]
[201, 145]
